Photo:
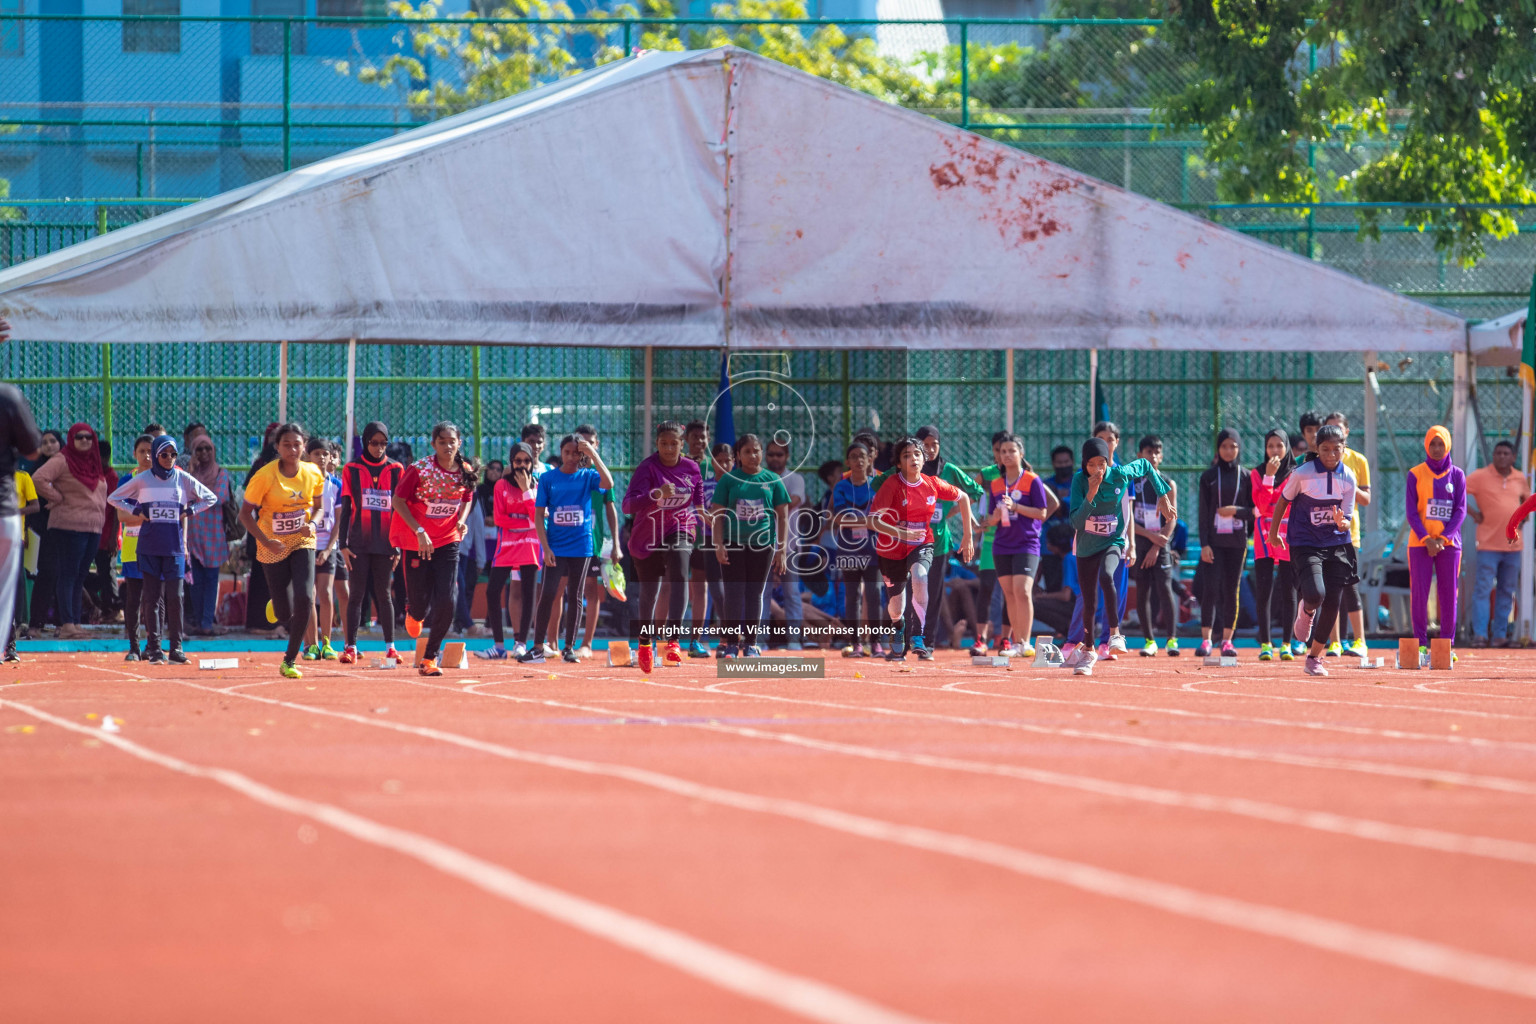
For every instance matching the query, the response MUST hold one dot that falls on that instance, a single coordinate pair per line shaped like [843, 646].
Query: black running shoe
[177, 657]
[132, 655]
[155, 656]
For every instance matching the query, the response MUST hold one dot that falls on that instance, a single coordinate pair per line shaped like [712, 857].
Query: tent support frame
[1372, 436]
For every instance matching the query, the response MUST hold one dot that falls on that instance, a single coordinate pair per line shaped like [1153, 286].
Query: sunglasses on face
[83, 436]
[203, 448]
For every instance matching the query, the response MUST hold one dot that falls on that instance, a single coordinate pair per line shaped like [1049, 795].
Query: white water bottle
[1006, 520]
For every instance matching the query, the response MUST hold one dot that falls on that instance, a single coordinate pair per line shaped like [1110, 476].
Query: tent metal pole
[282, 382]
[1460, 386]
[650, 366]
[1008, 392]
[1372, 441]
[1527, 562]
[351, 394]
[1093, 388]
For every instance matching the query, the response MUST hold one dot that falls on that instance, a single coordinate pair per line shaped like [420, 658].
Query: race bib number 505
[570, 515]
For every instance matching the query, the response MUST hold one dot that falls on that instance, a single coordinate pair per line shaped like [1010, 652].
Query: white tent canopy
[698, 199]
[1497, 342]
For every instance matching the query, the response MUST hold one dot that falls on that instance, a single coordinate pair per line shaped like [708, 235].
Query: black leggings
[372, 572]
[746, 577]
[133, 594]
[1156, 578]
[431, 587]
[501, 575]
[154, 589]
[1274, 590]
[669, 563]
[1223, 578]
[1323, 576]
[294, 606]
[572, 569]
[866, 579]
[1095, 573]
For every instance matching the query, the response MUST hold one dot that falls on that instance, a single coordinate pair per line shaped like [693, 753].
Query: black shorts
[1017, 563]
[896, 570]
[335, 566]
[1337, 562]
[595, 567]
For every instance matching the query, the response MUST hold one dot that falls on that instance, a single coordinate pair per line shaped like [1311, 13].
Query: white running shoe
[1301, 629]
[1084, 666]
[1117, 643]
[551, 651]
[519, 649]
[1072, 657]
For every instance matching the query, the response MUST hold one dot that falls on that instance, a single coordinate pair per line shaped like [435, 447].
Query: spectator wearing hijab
[207, 546]
[74, 489]
[42, 554]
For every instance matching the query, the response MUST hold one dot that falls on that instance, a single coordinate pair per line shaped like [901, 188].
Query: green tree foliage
[1434, 101]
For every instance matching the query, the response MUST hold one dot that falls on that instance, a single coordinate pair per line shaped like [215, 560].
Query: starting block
[1440, 655]
[1047, 654]
[454, 656]
[618, 654]
[1407, 652]
[1366, 661]
[1221, 661]
[990, 660]
[421, 651]
[214, 664]
[385, 663]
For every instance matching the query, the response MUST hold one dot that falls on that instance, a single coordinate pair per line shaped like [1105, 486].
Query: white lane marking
[1285, 723]
[1321, 821]
[1388, 948]
[1193, 687]
[703, 960]
[1454, 778]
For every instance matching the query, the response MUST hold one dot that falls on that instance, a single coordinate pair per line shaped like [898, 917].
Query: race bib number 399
[288, 522]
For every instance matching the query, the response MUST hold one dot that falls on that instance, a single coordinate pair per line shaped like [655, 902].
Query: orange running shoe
[412, 626]
[429, 667]
[673, 655]
[646, 656]
[392, 654]
[348, 655]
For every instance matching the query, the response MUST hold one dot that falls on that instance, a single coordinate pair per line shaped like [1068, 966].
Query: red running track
[1161, 842]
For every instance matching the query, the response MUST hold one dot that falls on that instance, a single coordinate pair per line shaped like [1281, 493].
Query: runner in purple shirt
[666, 497]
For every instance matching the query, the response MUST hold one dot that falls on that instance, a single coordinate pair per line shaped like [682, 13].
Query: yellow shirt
[1362, 469]
[282, 506]
[26, 490]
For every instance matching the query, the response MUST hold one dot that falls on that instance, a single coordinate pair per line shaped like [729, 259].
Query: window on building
[151, 36]
[351, 9]
[11, 35]
[267, 37]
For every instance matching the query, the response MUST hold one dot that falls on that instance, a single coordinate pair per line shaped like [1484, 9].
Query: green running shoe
[1266, 652]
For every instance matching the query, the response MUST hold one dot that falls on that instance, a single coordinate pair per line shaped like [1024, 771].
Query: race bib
[858, 534]
[1439, 510]
[1151, 518]
[376, 499]
[1103, 526]
[749, 510]
[938, 515]
[1322, 515]
[288, 522]
[570, 515]
[1226, 524]
[131, 531]
[164, 514]
[442, 509]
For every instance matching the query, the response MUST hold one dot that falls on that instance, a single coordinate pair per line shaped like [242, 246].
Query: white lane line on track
[1193, 687]
[730, 971]
[1383, 768]
[1428, 686]
[1437, 840]
[1355, 730]
[1388, 948]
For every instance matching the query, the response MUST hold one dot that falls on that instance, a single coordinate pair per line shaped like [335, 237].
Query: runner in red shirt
[901, 516]
[431, 505]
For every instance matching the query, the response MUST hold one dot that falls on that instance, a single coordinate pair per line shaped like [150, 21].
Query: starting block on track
[1047, 654]
[385, 663]
[1440, 656]
[1369, 662]
[1221, 661]
[990, 661]
[1407, 653]
[618, 654]
[214, 664]
[454, 656]
[421, 651]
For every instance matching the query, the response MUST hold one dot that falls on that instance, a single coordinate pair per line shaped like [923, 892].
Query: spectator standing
[75, 490]
[1060, 480]
[207, 542]
[44, 558]
[1495, 491]
[19, 439]
[776, 459]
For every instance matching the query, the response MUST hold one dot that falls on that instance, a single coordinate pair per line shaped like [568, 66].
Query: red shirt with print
[435, 498]
[909, 505]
